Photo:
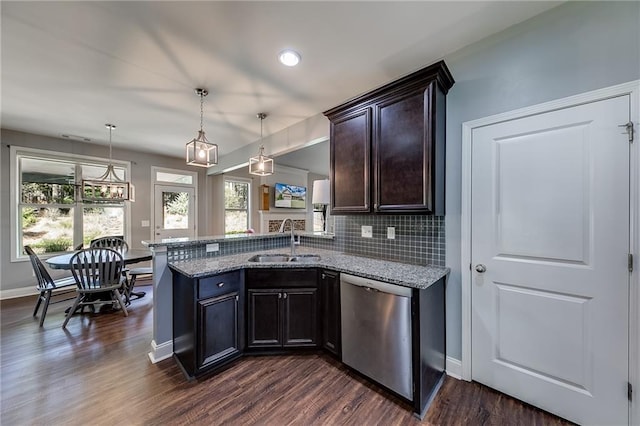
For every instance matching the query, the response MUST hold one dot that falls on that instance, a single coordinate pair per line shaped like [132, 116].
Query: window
[236, 206]
[51, 216]
[318, 223]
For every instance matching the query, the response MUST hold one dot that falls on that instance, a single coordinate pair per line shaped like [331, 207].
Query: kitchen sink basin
[301, 258]
[269, 258]
[305, 258]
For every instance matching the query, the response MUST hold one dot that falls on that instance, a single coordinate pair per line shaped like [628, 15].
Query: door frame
[152, 195]
[633, 90]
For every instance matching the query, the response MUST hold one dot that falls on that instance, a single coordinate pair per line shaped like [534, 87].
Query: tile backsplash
[419, 239]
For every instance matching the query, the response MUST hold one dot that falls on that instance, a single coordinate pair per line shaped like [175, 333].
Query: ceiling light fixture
[108, 187]
[289, 57]
[201, 152]
[261, 164]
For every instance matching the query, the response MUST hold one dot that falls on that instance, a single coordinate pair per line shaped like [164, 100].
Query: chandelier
[108, 187]
[201, 152]
[261, 164]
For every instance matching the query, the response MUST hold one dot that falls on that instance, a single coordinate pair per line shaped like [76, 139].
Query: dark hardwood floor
[97, 372]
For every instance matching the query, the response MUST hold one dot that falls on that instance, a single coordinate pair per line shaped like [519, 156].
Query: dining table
[129, 257]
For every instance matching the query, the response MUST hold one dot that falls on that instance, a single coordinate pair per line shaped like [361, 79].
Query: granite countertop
[402, 274]
[183, 242]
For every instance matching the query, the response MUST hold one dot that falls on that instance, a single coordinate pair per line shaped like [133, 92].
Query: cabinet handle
[279, 295]
[220, 285]
[324, 276]
[284, 295]
[237, 298]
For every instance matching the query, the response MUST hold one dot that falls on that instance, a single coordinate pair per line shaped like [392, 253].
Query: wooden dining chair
[116, 242]
[46, 286]
[97, 270]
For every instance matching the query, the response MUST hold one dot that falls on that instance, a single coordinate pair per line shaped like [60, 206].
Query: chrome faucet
[293, 238]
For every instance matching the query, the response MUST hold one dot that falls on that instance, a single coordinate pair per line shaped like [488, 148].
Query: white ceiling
[70, 67]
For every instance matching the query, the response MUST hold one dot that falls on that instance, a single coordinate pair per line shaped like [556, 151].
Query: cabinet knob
[220, 285]
[284, 295]
[279, 295]
[324, 276]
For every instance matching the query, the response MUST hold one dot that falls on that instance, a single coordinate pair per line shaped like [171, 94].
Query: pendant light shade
[201, 152]
[108, 187]
[261, 165]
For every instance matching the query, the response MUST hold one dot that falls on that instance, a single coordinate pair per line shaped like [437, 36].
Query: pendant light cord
[110, 128]
[201, 109]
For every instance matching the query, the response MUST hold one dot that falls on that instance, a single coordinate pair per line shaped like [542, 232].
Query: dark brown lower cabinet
[282, 308]
[300, 319]
[330, 308]
[279, 318]
[208, 321]
[219, 323]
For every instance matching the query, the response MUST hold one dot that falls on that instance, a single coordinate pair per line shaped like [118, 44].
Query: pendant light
[261, 164]
[108, 187]
[201, 152]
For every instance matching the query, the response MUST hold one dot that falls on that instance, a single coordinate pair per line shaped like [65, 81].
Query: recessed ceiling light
[289, 57]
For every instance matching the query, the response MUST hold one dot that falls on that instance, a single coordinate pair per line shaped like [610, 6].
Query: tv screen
[290, 196]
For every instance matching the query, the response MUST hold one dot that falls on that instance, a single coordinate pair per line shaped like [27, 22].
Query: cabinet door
[350, 162]
[264, 318]
[330, 290]
[403, 153]
[300, 317]
[218, 337]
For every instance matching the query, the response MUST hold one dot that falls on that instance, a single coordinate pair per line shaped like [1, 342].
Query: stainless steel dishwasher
[376, 331]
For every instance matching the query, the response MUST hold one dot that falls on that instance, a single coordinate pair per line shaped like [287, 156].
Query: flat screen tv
[290, 196]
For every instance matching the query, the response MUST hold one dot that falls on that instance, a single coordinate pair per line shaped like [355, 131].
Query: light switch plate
[367, 231]
[391, 233]
[145, 224]
[213, 247]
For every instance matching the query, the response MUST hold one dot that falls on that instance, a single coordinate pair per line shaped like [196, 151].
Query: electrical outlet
[213, 247]
[367, 231]
[391, 233]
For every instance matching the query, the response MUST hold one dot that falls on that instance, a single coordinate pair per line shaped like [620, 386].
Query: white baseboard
[454, 368]
[160, 352]
[14, 293]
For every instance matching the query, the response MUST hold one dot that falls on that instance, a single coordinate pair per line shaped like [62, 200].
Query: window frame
[17, 152]
[248, 182]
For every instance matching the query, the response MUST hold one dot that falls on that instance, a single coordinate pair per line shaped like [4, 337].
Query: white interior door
[174, 212]
[550, 229]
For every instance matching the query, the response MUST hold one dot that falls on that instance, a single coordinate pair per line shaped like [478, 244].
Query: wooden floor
[97, 372]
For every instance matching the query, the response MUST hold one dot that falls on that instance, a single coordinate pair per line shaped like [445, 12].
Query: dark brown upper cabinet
[388, 146]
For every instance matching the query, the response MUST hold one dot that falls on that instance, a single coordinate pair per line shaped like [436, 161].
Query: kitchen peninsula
[201, 264]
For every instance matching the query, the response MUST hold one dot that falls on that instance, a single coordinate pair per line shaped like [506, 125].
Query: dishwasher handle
[378, 286]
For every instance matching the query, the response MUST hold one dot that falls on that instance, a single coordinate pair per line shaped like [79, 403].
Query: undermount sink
[301, 258]
[309, 258]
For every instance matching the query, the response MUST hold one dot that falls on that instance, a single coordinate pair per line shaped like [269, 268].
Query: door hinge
[628, 129]
[630, 262]
[629, 390]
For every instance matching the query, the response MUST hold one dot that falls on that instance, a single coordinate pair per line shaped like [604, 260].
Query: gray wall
[574, 48]
[19, 274]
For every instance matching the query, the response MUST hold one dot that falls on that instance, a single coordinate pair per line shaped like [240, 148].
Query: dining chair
[116, 242]
[47, 285]
[97, 270]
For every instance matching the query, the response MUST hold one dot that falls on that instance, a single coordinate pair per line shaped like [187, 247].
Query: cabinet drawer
[281, 278]
[219, 284]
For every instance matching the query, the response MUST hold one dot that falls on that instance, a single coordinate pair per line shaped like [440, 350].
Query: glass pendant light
[201, 152]
[261, 164]
[108, 187]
